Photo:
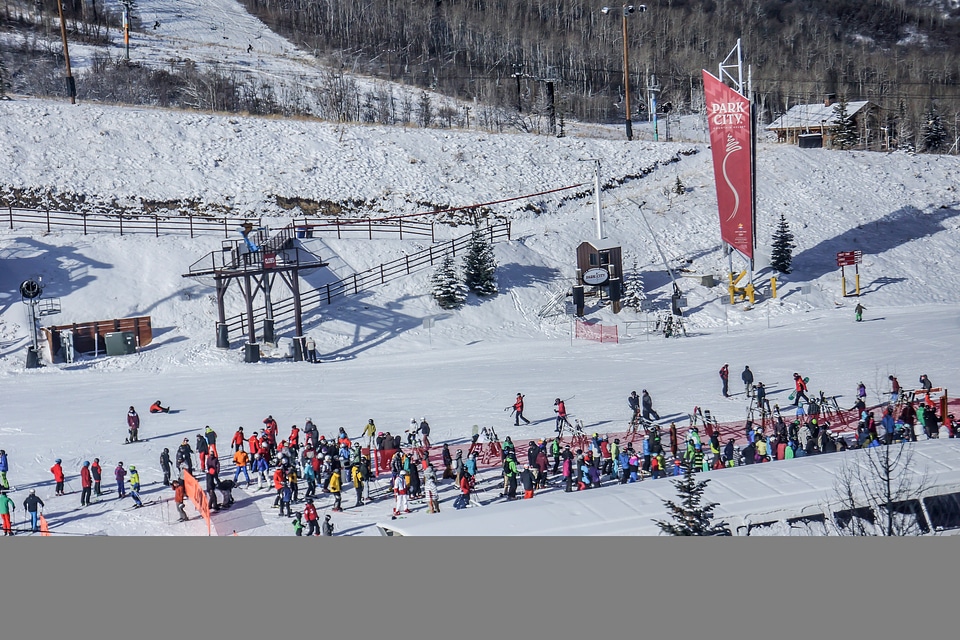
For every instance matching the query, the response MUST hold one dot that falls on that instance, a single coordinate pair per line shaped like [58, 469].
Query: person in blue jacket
[4, 467]
[261, 467]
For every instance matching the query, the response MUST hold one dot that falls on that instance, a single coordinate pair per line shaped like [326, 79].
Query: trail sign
[847, 258]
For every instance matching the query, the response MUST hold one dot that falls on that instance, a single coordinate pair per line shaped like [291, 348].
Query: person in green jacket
[6, 512]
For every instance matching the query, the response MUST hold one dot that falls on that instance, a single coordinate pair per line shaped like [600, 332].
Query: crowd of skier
[320, 466]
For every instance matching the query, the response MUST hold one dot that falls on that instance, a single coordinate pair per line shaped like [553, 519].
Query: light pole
[627, 10]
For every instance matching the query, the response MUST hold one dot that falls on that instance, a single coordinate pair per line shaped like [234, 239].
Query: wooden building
[802, 120]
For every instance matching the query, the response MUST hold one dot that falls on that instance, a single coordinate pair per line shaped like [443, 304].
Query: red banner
[728, 114]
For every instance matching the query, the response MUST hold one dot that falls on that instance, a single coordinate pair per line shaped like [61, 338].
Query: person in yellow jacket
[335, 489]
[357, 477]
[241, 458]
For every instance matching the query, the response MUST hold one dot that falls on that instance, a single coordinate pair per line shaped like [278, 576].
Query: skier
[518, 411]
[327, 525]
[133, 425]
[260, 466]
[156, 407]
[97, 472]
[747, 377]
[202, 450]
[179, 494]
[925, 383]
[725, 377]
[633, 400]
[526, 478]
[57, 472]
[297, 524]
[120, 474]
[894, 388]
[6, 510]
[560, 408]
[4, 467]
[239, 439]
[135, 487]
[862, 391]
[240, 459]
[369, 431]
[647, 403]
[356, 475]
[334, 488]
[165, 465]
[211, 437]
[858, 310]
[310, 515]
[762, 397]
[31, 504]
[184, 458]
[86, 484]
[464, 498]
[800, 389]
[400, 489]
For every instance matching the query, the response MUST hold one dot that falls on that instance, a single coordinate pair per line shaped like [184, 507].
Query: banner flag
[197, 496]
[729, 118]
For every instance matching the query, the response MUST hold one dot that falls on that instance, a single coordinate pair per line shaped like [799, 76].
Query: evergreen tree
[934, 134]
[480, 266]
[679, 188]
[783, 247]
[846, 135]
[633, 294]
[448, 290]
[691, 517]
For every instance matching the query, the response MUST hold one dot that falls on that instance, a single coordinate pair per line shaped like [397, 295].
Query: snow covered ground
[378, 360]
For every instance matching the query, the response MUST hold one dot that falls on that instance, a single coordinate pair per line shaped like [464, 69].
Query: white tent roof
[804, 116]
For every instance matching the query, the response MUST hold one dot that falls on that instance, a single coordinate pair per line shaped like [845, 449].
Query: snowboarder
[156, 407]
[747, 377]
[86, 484]
[31, 504]
[518, 411]
[133, 425]
[858, 310]
[647, 402]
[725, 378]
[925, 383]
[57, 472]
[800, 389]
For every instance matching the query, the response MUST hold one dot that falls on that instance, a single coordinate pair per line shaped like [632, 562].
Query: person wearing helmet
[518, 411]
[310, 515]
[120, 474]
[425, 433]
[327, 525]
[6, 510]
[369, 432]
[297, 523]
[97, 472]
[57, 472]
[165, 466]
[156, 407]
[560, 408]
[412, 433]
[133, 425]
[4, 467]
[32, 503]
[86, 484]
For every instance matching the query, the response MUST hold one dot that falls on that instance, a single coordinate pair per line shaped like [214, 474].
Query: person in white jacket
[400, 490]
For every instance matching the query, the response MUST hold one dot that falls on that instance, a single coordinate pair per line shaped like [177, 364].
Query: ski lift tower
[30, 294]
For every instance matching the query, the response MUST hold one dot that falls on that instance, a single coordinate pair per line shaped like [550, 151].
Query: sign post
[846, 259]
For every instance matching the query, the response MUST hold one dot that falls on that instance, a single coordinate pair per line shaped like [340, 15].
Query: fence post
[401, 228]
[156, 225]
[382, 280]
[432, 238]
[84, 224]
[356, 285]
[369, 228]
[431, 254]
[10, 211]
[328, 293]
[406, 261]
[226, 234]
[121, 224]
[453, 248]
[190, 218]
[48, 219]
[338, 229]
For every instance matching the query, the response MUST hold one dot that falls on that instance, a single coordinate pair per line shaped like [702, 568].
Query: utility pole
[653, 88]
[71, 85]
[127, 5]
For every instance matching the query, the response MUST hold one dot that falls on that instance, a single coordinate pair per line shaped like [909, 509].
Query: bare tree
[879, 491]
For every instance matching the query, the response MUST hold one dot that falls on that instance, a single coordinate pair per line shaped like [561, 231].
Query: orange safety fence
[197, 496]
[596, 332]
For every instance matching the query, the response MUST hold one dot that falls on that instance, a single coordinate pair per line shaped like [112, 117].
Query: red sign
[728, 114]
[847, 258]
[269, 260]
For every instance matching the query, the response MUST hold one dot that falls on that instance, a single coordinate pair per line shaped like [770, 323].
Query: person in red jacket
[86, 484]
[518, 411]
[801, 389]
[156, 407]
[310, 515]
[561, 410]
[239, 439]
[278, 479]
[57, 472]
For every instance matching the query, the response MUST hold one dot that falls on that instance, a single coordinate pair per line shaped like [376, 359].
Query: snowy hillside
[377, 358]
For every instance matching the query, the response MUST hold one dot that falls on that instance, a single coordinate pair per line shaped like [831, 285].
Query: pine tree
[480, 266]
[846, 135]
[448, 290]
[634, 296]
[783, 247]
[933, 134]
[691, 517]
[679, 188]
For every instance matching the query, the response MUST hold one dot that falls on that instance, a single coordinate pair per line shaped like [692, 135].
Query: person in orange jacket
[240, 458]
[57, 472]
[156, 407]
[278, 477]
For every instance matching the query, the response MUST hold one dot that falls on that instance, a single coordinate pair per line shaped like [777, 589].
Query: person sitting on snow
[156, 407]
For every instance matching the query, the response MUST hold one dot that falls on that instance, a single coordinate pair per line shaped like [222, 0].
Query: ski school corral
[768, 499]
